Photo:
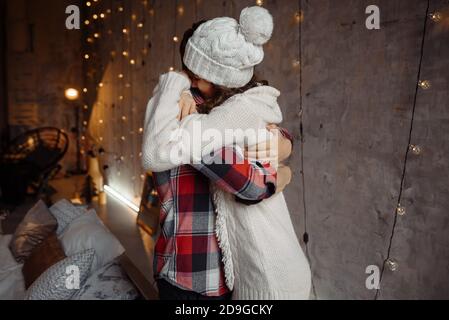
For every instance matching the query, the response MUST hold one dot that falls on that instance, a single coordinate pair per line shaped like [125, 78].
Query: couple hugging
[226, 231]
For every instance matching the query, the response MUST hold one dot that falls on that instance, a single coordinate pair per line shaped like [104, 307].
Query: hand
[284, 177]
[265, 151]
[275, 151]
[187, 105]
[284, 144]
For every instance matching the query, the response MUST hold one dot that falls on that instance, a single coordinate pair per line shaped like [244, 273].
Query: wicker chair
[30, 160]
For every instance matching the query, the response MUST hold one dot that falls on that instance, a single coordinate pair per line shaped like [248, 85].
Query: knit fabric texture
[224, 51]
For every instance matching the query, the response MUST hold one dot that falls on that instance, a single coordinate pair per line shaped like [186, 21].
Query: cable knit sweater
[261, 254]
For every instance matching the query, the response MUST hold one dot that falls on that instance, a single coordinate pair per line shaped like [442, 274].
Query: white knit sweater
[261, 254]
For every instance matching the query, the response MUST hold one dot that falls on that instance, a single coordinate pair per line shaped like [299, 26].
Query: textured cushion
[35, 227]
[88, 232]
[65, 212]
[42, 257]
[52, 284]
[108, 283]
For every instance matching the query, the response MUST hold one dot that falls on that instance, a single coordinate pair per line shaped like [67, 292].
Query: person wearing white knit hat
[225, 52]
[261, 254]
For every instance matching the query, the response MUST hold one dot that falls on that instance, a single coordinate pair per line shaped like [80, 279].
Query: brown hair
[221, 93]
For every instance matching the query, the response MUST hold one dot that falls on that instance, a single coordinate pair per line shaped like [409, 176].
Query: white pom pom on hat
[256, 24]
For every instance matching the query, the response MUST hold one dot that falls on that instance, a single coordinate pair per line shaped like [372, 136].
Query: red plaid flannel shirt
[187, 254]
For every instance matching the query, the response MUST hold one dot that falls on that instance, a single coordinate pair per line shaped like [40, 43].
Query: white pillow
[89, 232]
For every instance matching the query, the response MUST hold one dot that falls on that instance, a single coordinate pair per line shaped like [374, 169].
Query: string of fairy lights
[412, 149]
[133, 20]
[297, 65]
[115, 114]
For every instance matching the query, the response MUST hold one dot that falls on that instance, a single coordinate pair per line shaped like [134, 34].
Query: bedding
[108, 283]
[12, 284]
[86, 242]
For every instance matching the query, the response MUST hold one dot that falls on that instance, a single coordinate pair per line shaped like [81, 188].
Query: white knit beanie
[224, 52]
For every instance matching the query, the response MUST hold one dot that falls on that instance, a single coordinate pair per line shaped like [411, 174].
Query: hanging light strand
[400, 210]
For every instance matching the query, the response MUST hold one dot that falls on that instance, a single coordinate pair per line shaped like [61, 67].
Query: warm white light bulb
[436, 16]
[424, 84]
[415, 149]
[392, 264]
[298, 17]
[400, 210]
[180, 10]
[71, 94]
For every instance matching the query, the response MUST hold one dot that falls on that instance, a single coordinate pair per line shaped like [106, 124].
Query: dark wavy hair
[221, 93]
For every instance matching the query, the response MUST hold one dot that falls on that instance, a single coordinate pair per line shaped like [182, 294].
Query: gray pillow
[108, 283]
[65, 212]
[52, 284]
[35, 227]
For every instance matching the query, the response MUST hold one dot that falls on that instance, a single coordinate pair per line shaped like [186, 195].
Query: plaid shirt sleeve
[248, 181]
